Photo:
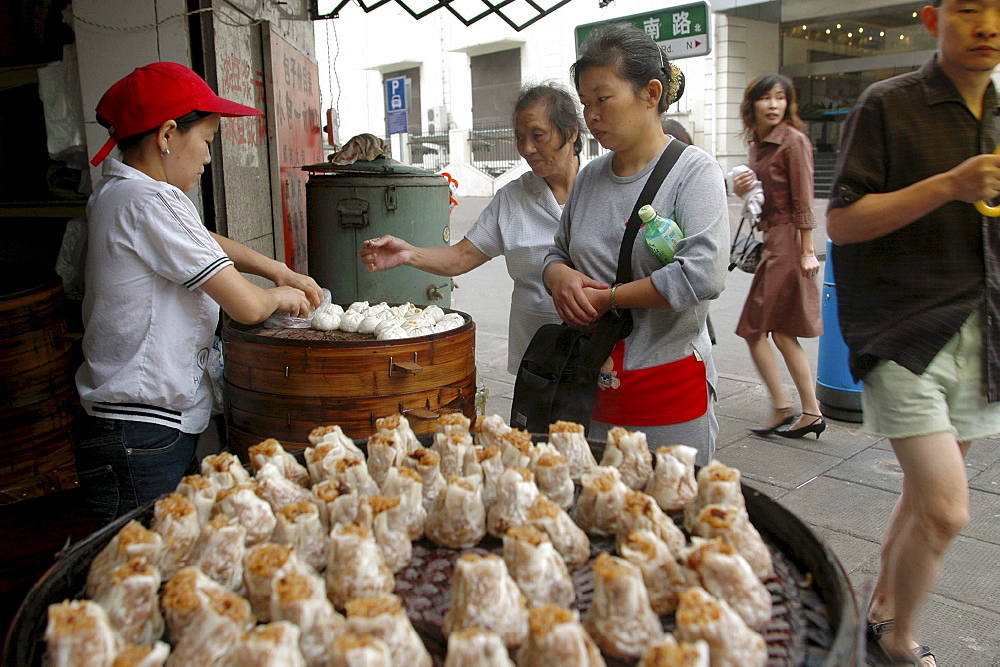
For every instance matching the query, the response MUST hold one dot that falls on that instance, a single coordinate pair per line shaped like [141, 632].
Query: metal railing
[494, 150]
[429, 151]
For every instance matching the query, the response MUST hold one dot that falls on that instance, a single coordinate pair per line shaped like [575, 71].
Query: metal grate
[518, 14]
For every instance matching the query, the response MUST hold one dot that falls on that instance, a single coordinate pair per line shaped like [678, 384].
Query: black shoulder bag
[557, 377]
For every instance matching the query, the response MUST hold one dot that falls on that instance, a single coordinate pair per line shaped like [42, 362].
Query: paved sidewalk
[842, 485]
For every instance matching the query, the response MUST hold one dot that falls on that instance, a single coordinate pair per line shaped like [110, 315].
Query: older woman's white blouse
[520, 224]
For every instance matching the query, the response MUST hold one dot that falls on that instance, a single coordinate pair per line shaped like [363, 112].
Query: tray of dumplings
[366, 321]
[481, 546]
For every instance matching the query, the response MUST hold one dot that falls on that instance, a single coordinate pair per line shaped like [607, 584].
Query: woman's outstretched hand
[385, 252]
[571, 295]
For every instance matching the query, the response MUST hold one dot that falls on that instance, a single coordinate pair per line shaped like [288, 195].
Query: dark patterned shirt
[904, 295]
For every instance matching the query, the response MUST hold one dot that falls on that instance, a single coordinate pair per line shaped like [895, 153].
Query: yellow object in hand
[983, 207]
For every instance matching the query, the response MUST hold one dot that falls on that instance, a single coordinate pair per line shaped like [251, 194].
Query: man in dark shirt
[918, 284]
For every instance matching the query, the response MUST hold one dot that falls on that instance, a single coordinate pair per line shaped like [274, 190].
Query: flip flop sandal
[879, 656]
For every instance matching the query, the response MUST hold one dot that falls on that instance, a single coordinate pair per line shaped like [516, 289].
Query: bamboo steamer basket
[283, 383]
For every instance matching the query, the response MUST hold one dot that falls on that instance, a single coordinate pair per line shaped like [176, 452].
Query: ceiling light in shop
[838, 26]
[828, 31]
[861, 29]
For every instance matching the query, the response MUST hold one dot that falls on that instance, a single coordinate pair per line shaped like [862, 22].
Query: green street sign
[682, 31]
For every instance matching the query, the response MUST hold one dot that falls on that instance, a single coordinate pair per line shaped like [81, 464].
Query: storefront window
[833, 59]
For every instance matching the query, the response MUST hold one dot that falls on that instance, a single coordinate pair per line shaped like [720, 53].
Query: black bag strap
[663, 166]
[615, 326]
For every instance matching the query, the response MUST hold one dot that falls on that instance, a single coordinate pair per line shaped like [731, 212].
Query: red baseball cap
[151, 95]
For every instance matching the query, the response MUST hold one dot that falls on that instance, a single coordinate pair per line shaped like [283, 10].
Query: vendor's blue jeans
[123, 465]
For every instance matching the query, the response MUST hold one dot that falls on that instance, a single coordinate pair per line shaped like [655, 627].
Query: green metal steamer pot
[349, 204]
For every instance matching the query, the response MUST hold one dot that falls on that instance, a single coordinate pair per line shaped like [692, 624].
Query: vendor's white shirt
[148, 325]
[520, 223]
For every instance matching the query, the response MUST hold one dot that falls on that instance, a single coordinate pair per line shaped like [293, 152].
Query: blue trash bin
[838, 394]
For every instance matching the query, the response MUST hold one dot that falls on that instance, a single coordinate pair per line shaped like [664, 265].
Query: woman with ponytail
[660, 379]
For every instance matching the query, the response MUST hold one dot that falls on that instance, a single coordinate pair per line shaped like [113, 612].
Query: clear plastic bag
[216, 372]
[286, 321]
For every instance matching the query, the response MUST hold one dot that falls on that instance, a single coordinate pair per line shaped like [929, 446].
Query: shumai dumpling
[405, 484]
[489, 431]
[132, 540]
[143, 655]
[668, 653]
[330, 444]
[553, 479]
[427, 463]
[269, 644]
[271, 451]
[224, 469]
[132, 601]
[486, 462]
[452, 448]
[279, 491]
[730, 640]
[357, 567]
[718, 484]
[516, 449]
[264, 564]
[220, 550]
[79, 633]
[536, 567]
[351, 650]
[458, 518]
[733, 525]
[516, 492]
[567, 537]
[383, 616]
[727, 575]
[252, 511]
[201, 491]
[664, 576]
[299, 524]
[569, 439]
[672, 483]
[294, 598]
[620, 618]
[385, 450]
[204, 620]
[354, 472]
[629, 452]
[601, 500]
[640, 512]
[483, 595]
[339, 504]
[389, 525]
[399, 425]
[476, 648]
[556, 637]
[176, 519]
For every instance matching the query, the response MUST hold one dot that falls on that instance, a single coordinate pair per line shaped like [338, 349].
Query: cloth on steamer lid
[361, 147]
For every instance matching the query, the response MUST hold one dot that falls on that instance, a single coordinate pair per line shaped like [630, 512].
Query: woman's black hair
[758, 88]
[635, 57]
[560, 106]
[184, 123]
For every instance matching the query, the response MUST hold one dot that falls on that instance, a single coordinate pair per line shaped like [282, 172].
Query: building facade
[461, 81]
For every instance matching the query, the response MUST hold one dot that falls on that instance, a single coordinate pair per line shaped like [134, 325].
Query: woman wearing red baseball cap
[155, 279]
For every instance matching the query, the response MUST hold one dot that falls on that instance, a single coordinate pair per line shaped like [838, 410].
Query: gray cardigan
[590, 234]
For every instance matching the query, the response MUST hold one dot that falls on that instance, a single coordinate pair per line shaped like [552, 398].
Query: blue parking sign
[395, 104]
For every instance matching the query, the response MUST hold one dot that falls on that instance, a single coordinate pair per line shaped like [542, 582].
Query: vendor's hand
[978, 178]
[744, 183]
[290, 300]
[385, 252]
[285, 277]
[809, 265]
[569, 294]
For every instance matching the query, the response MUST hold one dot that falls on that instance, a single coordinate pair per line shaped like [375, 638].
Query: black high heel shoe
[768, 430]
[817, 426]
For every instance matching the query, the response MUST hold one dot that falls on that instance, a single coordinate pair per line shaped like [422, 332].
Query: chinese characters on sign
[682, 31]
[298, 140]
